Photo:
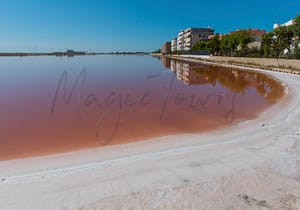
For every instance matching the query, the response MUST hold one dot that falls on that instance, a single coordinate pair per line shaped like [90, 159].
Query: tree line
[281, 42]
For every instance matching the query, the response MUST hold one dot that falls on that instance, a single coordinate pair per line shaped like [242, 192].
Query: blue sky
[126, 25]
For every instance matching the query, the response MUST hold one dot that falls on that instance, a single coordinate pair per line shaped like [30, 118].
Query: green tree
[233, 42]
[267, 42]
[225, 45]
[229, 44]
[214, 45]
[295, 28]
[244, 38]
[282, 41]
[201, 45]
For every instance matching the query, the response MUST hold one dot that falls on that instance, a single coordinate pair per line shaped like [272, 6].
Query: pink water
[119, 99]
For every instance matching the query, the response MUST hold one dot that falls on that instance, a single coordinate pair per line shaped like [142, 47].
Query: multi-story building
[174, 45]
[180, 41]
[189, 37]
[166, 48]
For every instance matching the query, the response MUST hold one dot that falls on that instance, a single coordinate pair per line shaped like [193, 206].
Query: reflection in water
[235, 80]
[186, 74]
[119, 99]
[166, 61]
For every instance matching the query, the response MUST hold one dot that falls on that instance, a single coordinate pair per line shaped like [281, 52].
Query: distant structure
[71, 53]
[288, 23]
[166, 48]
[257, 36]
[188, 38]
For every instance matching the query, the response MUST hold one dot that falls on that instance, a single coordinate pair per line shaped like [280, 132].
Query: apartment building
[189, 37]
[166, 48]
[174, 45]
[180, 41]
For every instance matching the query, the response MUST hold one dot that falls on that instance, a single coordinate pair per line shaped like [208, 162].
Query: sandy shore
[252, 165]
[293, 63]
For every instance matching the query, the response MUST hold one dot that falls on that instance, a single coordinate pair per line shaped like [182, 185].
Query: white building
[174, 45]
[288, 23]
[189, 37]
[180, 41]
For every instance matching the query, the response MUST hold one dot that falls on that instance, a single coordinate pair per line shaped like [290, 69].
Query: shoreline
[256, 64]
[265, 115]
[192, 163]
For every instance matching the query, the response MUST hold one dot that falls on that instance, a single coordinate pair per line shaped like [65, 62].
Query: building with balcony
[180, 41]
[174, 45]
[189, 37]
